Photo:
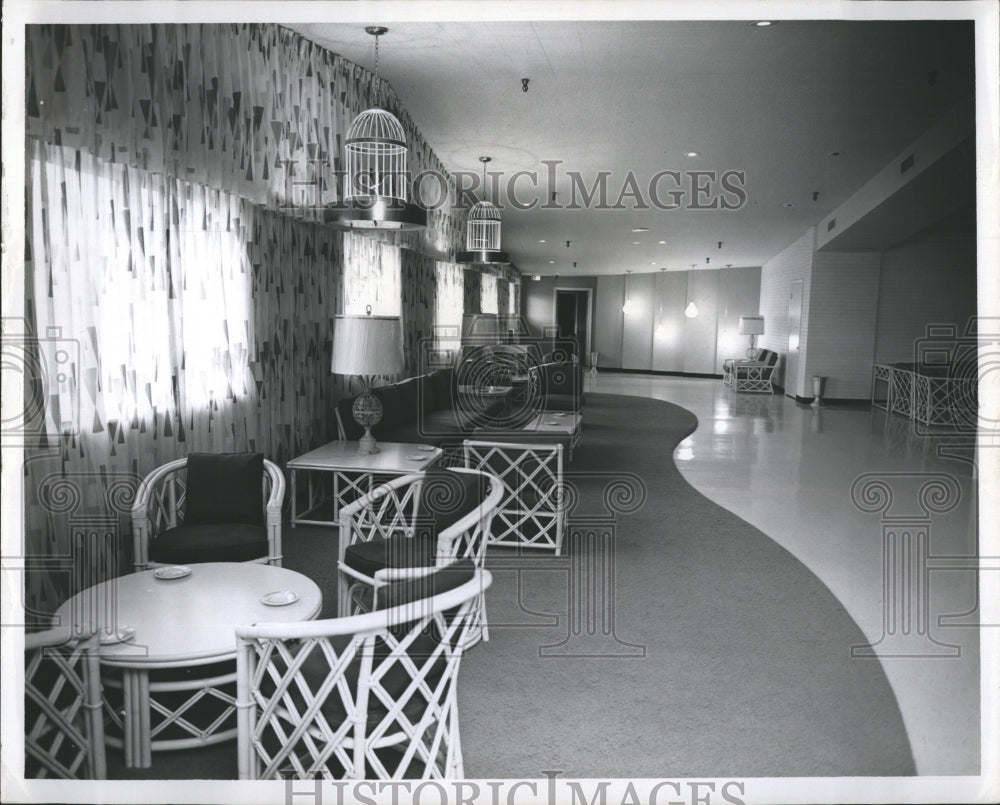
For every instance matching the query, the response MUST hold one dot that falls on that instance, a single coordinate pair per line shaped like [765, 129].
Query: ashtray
[109, 637]
[172, 572]
[279, 598]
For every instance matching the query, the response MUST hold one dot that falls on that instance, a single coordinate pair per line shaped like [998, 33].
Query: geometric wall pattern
[170, 167]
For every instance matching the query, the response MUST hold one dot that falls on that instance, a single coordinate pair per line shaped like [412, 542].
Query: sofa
[429, 409]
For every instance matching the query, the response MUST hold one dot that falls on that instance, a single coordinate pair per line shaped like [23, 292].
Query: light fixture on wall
[628, 298]
[482, 231]
[376, 192]
[752, 326]
[367, 346]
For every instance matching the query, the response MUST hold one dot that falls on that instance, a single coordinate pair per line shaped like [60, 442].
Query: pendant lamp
[376, 181]
[482, 231]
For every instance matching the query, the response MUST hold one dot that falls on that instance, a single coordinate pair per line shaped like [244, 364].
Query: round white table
[181, 623]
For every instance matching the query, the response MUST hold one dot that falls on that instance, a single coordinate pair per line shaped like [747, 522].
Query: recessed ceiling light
[692, 153]
[762, 23]
[636, 242]
[662, 242]
[551, 262]
[640, 229]
[543, 241]
[653, 263]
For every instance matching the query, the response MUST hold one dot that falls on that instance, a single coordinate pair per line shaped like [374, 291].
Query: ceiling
[631, 98]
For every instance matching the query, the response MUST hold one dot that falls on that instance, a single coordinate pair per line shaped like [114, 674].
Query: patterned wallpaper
[254, 109]
[147, 142]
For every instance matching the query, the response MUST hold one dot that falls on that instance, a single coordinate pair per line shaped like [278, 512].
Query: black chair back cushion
[224, 488]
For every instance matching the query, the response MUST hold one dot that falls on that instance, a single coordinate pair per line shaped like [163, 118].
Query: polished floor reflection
[884, 515]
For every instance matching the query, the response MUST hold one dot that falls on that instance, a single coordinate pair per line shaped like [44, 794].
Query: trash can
[819, 384]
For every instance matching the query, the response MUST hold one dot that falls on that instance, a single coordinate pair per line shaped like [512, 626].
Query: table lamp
[752, 326]
[367, 346]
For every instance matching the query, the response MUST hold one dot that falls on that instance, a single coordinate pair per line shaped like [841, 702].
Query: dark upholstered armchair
[223, 507]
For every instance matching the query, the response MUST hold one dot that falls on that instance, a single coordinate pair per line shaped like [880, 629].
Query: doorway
[573, 319]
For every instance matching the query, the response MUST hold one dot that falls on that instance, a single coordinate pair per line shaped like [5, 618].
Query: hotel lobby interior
[695, 316]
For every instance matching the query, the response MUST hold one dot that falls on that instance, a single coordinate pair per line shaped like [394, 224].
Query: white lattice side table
[532, 513]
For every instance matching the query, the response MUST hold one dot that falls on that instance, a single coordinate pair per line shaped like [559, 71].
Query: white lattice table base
[532, 513]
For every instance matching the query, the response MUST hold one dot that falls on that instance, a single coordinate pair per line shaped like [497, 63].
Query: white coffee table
[352, 474]
[184, 623]
[562, 424]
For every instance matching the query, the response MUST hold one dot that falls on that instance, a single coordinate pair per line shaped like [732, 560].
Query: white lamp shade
[751, 325]
[691, 310]
[367, 345]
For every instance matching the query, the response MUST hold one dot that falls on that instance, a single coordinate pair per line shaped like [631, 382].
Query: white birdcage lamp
[376, 181]
[482, 231]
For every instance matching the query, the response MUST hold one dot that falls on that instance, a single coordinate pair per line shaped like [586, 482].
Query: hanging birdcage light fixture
[482, 231]
[376, 181]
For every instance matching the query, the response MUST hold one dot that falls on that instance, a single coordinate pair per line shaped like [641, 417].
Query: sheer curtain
[449, 304]
[372, 276]
[148, 282]
[489, 302]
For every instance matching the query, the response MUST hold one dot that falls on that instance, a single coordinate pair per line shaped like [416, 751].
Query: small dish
[427, 448]
[279, 598]
[123, 635]
[417, 458]
[172, 572]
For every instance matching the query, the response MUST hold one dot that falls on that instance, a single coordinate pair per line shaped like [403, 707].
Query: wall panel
[637, 323]
[701, 332]
[608, 320]
[668, 323]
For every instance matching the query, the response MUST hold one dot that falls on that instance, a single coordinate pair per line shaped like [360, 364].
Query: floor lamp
[752, 326]
[367, 346]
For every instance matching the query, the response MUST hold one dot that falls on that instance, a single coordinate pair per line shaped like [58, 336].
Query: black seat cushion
[316, 667]
[445, 498]
[398, 551]
[224, 488]
[214, 542]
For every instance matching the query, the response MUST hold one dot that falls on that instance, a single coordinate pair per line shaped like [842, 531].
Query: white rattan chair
[160, 506]
[420, 520]
[369, 696]
[63, 719]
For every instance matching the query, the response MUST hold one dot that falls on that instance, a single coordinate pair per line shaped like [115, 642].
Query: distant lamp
[627, 306]
[691, 310]
[367, 346]
[752, 326]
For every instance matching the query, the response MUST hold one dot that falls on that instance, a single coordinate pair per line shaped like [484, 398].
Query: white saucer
[172, 572]
[279, 598]
[109, 638]
[426, 448]
[417, 458]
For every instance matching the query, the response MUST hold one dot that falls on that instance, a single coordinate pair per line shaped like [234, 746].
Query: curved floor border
[744, 668]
